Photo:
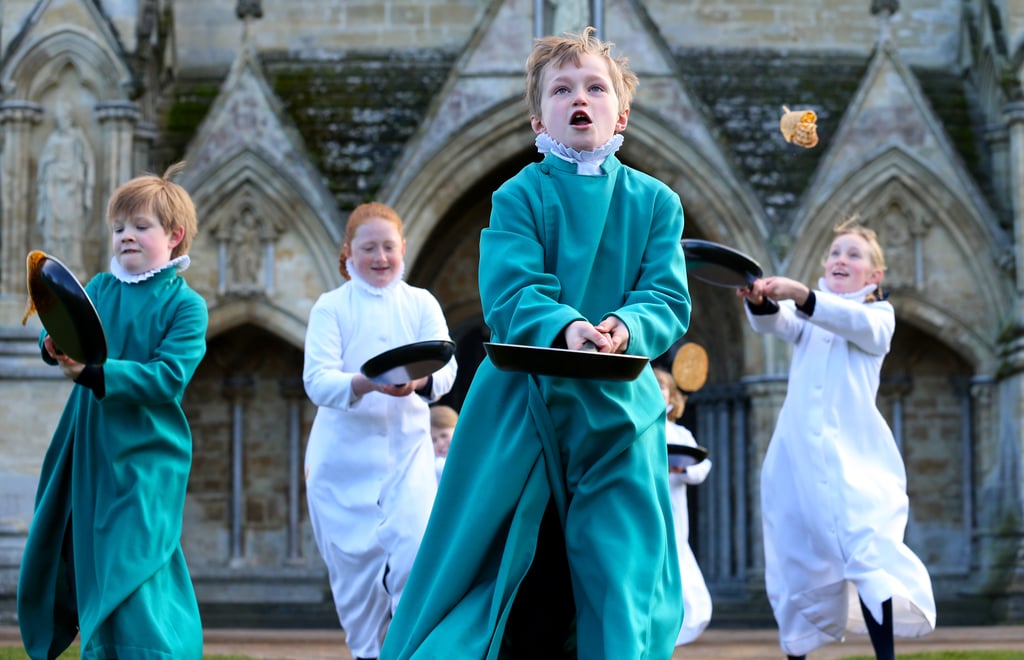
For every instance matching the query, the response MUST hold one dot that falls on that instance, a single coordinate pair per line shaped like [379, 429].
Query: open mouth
[579, 118]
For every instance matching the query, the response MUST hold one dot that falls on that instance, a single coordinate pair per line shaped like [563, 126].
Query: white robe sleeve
[323, 375]
[869, 326]
[784, 324]
[435, 327]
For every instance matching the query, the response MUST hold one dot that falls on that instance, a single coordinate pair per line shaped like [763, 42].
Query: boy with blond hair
[552, 534]
[103, 559]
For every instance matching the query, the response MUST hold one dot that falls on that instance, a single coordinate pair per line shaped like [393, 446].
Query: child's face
[848, 266]
[141, 244]
[666, 392]
[377, 251]
[579, 107]
[442, 438]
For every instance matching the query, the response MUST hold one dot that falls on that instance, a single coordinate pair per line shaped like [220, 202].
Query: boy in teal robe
[552, 532]
[103, 558]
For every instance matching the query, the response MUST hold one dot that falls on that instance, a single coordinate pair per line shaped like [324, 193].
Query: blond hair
[168, 201]
[359, 216]
[852, 225]
[443, 417]
[558, 51]
[676, 398]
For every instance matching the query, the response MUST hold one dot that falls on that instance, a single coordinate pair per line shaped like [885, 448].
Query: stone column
[766, 395]
[997, 138]
[237, 390]
[294, 393]
[1014, 113]
[1005, 554]
[146, 134]
[117, 121]
[16, 178]
[895, 390]
[985, 486]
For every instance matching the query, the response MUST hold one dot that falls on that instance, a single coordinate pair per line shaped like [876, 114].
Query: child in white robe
[696, 597]
[370, 481]
[833, 483]
[442, 426]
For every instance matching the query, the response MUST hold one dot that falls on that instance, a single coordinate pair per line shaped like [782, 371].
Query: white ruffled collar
[118, 271]
[858, 295]
[587, 162]
[358, 281]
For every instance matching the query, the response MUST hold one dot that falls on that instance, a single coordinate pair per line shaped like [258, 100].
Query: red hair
[360, 215]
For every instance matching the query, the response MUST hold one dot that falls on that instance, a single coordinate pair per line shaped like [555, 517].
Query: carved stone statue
[245, 257]
[65, 180]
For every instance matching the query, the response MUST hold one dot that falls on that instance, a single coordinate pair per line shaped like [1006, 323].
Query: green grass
[18, 653]
[948, 655]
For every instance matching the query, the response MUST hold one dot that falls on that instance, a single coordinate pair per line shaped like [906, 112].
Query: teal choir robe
[112, 488]
[561, 247]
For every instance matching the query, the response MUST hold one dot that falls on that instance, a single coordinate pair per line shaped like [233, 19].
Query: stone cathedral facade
[291, 113]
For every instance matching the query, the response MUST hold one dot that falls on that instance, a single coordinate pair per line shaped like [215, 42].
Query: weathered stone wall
[208, 34]
[265, 469]
[924, 30]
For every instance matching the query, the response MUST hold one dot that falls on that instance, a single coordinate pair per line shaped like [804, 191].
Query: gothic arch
[451, 172]
[79, 67]
[285, 307]
[939, 213]
[258, 313]
[706, 191]
[212, 189]
[718, 206]
[29, 74]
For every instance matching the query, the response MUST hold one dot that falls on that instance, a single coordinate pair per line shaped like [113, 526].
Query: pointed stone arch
[943, 299]
[260, 314]
[717, 204]
[29, 74]
[54, 62]
[423, 198]
[246, 231]
[451, 187]
[666, 128]
[302, 253]
[731, 213]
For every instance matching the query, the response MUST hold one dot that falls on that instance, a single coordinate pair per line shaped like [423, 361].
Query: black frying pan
[409, 362]
[65, 309]
[684, 455]
[565, 363]
[719, 265]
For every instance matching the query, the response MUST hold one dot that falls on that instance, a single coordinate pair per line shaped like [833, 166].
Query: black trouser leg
[544, 608]
[881, 633]
[796, 657]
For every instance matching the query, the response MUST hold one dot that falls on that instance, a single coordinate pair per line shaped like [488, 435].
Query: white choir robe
[370, 479]
[696, 597]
